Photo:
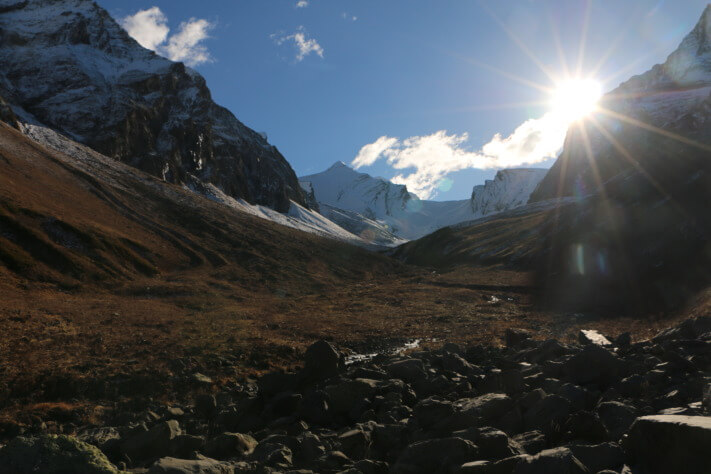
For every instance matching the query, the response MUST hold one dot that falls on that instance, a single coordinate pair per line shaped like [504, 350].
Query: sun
[574, 99]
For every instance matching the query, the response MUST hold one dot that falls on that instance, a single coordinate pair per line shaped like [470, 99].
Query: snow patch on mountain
[509, 189]
[389, 207]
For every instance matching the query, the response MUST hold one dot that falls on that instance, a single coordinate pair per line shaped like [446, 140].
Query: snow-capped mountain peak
[340, 190]
[688, 66]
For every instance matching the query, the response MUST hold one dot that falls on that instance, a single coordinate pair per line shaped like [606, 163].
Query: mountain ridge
[131, 104]
[406, 216]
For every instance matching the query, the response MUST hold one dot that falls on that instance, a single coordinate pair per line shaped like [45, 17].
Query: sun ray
[525, 49]
[508, 75]
[583, 38]
[558, 46]
[634, 162]
[652, 128]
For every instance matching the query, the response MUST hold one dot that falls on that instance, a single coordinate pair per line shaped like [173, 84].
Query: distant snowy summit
[383, 208]
[67, 65]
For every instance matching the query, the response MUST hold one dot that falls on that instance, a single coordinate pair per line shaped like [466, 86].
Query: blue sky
[409, 68]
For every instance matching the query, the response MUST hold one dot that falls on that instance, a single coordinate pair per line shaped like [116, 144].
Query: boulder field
[601, 405]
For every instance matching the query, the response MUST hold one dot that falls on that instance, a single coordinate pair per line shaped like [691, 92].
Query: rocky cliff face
[510, 188]
[68, 65]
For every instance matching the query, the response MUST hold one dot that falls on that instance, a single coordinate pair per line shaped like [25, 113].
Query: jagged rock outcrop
[68, 65]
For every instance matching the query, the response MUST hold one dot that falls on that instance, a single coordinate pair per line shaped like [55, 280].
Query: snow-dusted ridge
[401, 213]
[96, 164]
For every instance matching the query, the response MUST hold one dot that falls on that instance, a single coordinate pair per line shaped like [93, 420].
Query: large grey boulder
[670, 443]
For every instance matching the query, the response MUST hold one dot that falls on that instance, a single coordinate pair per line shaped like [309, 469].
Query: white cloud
[186, 45]
[150, 28]
[304, 45]
[371, 152]
[346, 16]
[302, 4]
[431, 158]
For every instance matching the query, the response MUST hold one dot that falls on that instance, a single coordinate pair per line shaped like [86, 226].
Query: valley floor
[97, 349]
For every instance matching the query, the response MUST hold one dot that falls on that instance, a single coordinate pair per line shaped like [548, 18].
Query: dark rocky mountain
[68, 65]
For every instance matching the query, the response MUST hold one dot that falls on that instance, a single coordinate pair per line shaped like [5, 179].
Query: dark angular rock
[151, 444]
[273, 454]
[689, 329]
[321, 361]
[355, 443]
[344, 396]
[435, 456]
[599, 456]
[548, 415]
[557, 460]
[314, 408]
[182, 446]
[594, 365]
[227, 445]
[493, 444]
[369, 466]
[515, 337]
[489, 407]
[409, 370]
[617, 418]
[432, 411]
[531, 441]
[206, 405]
[585, 426]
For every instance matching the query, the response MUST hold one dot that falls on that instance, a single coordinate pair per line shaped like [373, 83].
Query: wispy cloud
[430, 158]
[150, 28]
[302, 4]
[303, 44]
[347, 16]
